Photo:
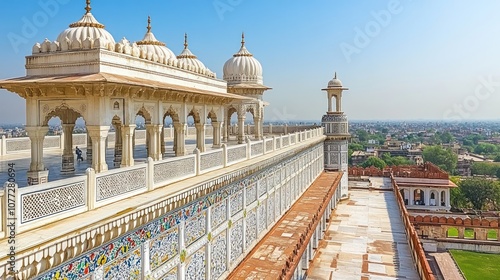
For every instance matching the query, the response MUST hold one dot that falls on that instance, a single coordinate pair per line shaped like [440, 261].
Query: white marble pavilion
[86, 73]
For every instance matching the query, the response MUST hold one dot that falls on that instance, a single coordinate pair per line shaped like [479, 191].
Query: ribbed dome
[86, 28]
[188, 58]
[151, 45]
[243, 67]
[333, 83]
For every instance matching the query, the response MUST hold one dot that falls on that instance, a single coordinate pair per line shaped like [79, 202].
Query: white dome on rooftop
[243, 68]
[188, 58]
[86, 28]
[333, 83]
[151, 45]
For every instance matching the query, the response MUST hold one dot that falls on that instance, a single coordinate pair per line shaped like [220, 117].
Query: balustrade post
[224, 154]
[91, 188]
[274, 142]
[249, 148]
[197, 160]
[150, 174]
[3, 146]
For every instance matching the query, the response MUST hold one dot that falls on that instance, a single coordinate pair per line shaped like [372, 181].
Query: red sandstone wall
[428, 170]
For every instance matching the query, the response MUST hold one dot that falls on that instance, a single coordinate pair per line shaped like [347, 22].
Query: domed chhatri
[150, 44]
[188, 58]
[334, 83]
[243, 68]
[87, 28]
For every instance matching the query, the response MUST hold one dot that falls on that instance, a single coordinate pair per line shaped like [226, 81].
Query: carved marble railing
[62, 198]
[235, 208]
[23, 144]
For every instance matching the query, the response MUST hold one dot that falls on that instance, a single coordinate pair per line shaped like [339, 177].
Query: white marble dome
[243, 68]
[188, 58]
[86, 28]
[334, 83]
[151, 45]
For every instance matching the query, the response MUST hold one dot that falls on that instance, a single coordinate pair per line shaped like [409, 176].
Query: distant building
[358, 157]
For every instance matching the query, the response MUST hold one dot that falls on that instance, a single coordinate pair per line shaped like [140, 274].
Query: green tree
[444, 158]
[485, 168]
[458, 199]
[362, 135]
[374, 161]
[497, 158]
[483, 194]
[485, 149]
[356, 147]
[446, 137]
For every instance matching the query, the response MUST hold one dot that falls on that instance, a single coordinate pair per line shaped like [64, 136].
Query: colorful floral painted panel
[195, 228]
[164, 247]
[128, 267]
[196, 266]
[219, 255]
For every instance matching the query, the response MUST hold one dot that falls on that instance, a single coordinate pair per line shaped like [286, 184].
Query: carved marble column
[68, 159]
[153, 132]
[175, 139]
[162, 141]
[98, 134]
[241, 129]
[179, 139]
[37, 174]
[258, 128]
[118, 146]
[89, 147]
[225, 131]
[127, 132]
[200, 136]
[216, 134]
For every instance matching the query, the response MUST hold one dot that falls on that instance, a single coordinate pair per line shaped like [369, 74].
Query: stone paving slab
[365, 240]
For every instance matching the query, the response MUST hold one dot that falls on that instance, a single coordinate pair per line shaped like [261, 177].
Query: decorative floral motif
[261, 214]
[164, 247]
[128, 267]
[251, 193]
[236, 240]
[270, 209]
[251, 227]
[196, 266]
[195, 228]
[262, 186]
[171, 275]
[236, 203]
[219, 214]
[219, 254]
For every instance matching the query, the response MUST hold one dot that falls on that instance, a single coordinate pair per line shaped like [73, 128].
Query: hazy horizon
[402, 60]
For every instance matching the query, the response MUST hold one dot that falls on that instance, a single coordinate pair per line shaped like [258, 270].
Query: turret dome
[243, 68]
[151, 45]
[86, 29]
[188, 58]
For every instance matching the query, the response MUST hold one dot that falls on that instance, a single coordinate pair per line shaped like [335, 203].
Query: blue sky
[401, 59]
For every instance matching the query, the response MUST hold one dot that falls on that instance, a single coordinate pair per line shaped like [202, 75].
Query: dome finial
[149, 24]
[242, 39]
[88, 8]
[185, 41]
[335, 75]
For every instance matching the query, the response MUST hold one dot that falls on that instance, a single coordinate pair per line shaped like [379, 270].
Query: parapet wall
[428, 170]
